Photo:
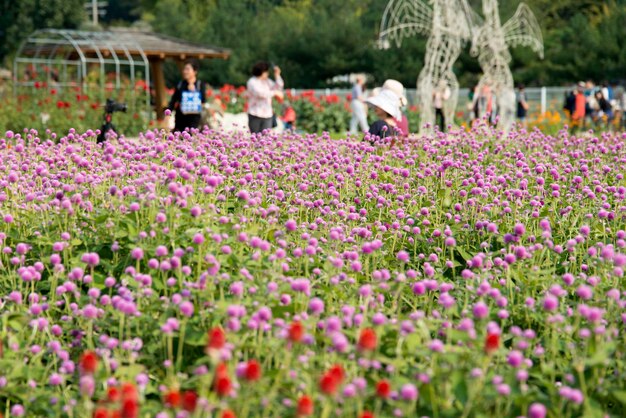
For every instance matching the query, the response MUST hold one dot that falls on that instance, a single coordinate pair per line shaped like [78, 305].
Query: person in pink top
[261, 90]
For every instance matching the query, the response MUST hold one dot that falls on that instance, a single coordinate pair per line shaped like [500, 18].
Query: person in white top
[359, 109]
[261, 90]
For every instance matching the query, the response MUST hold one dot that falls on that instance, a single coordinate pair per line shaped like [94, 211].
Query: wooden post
[159, 87]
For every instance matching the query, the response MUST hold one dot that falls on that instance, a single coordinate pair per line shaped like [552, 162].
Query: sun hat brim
[387, 101]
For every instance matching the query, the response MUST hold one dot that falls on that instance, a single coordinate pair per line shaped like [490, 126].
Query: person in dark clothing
[569, 103]
[188, 98]
[522, 106]
[386, 106]
[605, 110]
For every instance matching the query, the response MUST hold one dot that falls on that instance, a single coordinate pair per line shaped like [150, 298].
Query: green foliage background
[314, 40]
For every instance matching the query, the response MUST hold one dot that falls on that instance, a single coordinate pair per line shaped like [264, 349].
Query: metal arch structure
[491, 45]
[61, 50]
[448, 24]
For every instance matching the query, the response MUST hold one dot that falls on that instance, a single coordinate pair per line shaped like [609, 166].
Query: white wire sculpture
[448, 23]
[491, 45]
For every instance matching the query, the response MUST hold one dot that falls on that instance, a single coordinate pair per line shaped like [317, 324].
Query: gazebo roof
[116, 41]
[155, 44]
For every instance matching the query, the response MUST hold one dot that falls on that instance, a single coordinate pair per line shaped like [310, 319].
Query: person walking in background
[522, 106]
[261, 90]
[440, 96]
[188, 98]
[569, 104]
[358, 106]
[402, 123]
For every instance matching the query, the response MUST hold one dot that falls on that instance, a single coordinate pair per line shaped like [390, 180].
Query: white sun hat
[388, 101]
[397, 88]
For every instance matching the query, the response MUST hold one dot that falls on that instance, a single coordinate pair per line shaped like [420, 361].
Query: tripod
[107, 126]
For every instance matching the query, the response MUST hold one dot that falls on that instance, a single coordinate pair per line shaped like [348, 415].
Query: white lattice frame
[448, 23]
[491, 44]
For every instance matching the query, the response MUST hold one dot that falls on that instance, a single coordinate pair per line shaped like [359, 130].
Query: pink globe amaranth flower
[515, 358]
[55, 379]
[87, 385]
[186, 308]
[90, 311]
[17, 410]
[403, 256]
[550, 303]
[537, 410]
[409, 392]
[198, 239]
[480, 310]
[291, 225]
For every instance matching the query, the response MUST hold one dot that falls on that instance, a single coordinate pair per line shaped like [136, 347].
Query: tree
[20, 18]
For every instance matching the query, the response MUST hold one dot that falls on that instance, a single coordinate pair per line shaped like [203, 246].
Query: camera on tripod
[110, 107]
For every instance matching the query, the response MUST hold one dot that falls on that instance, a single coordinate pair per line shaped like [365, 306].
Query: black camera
[112, 106]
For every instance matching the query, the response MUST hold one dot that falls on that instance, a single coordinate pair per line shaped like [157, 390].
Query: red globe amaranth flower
[328, 384]
[217, 339]
[253, 371]
[305, 406]
[228, 414]
[367, 340]
[172, 399]
[190, 401]
[222, 385]
[113, 394]
[88, 362]
[101, 413]
[337, 373]
[129, 391]
[492, 343]
[383, 389]
[331, 380]
[130, 409]
[221, 370]
[296, 332]
[367, 414]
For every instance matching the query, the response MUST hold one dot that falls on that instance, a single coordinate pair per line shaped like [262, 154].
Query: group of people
[189, 97]
[483, 103]
[587, 103]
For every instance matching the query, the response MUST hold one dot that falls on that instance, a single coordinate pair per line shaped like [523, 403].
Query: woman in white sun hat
[397, 87]
[386, 106]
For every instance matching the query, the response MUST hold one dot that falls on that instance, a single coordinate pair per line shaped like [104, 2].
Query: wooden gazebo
[64, 56]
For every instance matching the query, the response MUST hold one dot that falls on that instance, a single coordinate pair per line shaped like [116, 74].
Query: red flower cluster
[121, 402]
[187, 400]
[222, 384]
[331, 380]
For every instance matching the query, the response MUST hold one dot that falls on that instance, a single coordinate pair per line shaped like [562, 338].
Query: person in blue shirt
[188, 98]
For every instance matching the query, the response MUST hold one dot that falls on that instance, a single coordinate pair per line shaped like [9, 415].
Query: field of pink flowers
[215, 275]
